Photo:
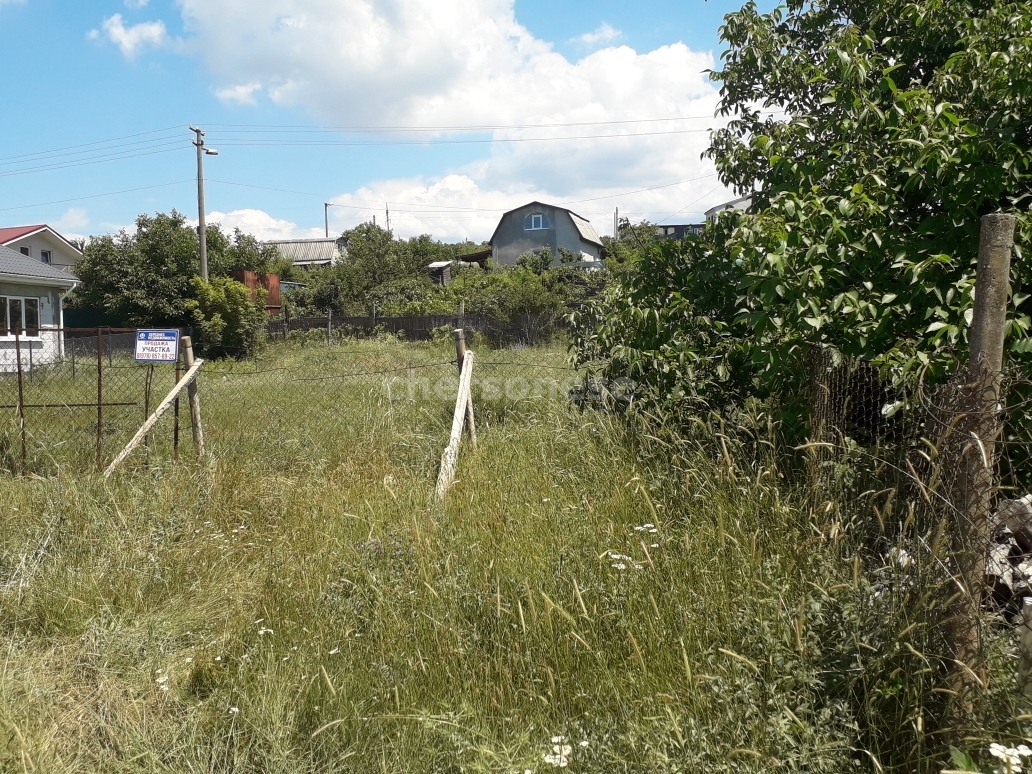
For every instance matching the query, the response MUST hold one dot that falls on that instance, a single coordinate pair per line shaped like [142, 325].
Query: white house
[31, 310]
[43, 244]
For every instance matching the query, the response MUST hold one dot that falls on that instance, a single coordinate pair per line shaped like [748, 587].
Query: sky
[445, 112]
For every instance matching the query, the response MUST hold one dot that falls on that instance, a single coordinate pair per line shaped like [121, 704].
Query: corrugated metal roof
[308, 251]
[13, 263]
[438, 264]
[585, 229]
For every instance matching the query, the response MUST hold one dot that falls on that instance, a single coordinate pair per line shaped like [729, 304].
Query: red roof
[17, 232]
[14, 233]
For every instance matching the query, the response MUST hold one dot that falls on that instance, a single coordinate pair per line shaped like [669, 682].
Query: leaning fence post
[983, 403]
[450, 458]
[195, 400]
[329, 327]
[460, 356]
[21, 396]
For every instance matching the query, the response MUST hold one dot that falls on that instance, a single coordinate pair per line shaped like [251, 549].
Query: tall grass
[300, 602]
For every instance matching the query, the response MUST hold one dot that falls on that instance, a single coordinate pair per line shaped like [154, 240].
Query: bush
[231, 322]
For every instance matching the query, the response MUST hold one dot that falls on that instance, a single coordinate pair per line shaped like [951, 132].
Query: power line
[471, 141]
[86, 162]
[94, 196]
[97, 142]
[469, 128]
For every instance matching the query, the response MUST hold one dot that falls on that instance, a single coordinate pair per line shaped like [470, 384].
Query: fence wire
[78, 397]
[938, 480]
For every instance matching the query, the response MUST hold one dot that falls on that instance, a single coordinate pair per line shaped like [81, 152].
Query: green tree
[141, 278]
[230, 320]
[872, 136]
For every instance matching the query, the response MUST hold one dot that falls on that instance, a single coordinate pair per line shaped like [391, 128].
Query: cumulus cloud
[74, 219]
[241, 94]
[136, 4]
[613, 121]
[134, 38]
[604, 33]
[261, 225]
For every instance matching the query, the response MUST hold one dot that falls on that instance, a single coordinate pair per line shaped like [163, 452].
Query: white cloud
[631, 120]
[604, 33]
[136, 4]
[12, 2]
[73, 220]
[132, 39]
[260, 224]
[242, 94]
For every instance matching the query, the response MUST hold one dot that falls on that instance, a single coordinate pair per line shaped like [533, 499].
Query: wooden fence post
[982, 403]
[450, 458]
[195, 400]
[175, 414]
[460, 356]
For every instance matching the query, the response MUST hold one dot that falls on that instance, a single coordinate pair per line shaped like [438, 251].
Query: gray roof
[309, 251]
[585, 229]
[741, 203]
[15, 265]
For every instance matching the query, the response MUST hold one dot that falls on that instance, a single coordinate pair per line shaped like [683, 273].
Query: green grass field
[299, 601]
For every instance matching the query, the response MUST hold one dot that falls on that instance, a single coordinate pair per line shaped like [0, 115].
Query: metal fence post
[21, 397]
[100, 398]
[976, 485]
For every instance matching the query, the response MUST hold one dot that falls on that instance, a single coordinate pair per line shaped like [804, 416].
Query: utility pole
[616, 223]
[387, 207]
[201, 226]
[326, 217]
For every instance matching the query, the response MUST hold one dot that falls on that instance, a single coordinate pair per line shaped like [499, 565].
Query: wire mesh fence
[74, 400]
[937, 480]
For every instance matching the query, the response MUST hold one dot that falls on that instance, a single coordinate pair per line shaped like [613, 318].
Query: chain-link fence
[74, 398]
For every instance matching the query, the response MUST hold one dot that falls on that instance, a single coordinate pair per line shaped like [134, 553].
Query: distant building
[43, 244]
[31, 306]
[741, 203]
[679, 231]
[312, 252]
[440, 272]
[534, 226]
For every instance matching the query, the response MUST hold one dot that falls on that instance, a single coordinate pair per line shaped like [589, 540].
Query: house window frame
[25, 250]
[543, 223]
[47, 257]
[6, 333]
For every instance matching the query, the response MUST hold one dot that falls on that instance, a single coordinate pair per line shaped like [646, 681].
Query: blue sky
[489, 104]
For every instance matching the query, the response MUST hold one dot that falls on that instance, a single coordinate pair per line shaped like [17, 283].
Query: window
[44, 256]
[24, 250]
[19, 314]
[535, 222]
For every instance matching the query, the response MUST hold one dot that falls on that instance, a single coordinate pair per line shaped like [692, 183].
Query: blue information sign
[160, 346]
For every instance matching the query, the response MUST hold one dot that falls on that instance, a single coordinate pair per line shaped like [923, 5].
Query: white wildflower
[1011, 757]
[234, 710]
[620, 565]
[162, 682]
[265, 630]
[584, 743]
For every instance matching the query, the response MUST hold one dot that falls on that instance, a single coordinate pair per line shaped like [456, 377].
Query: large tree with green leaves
[872, 136]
